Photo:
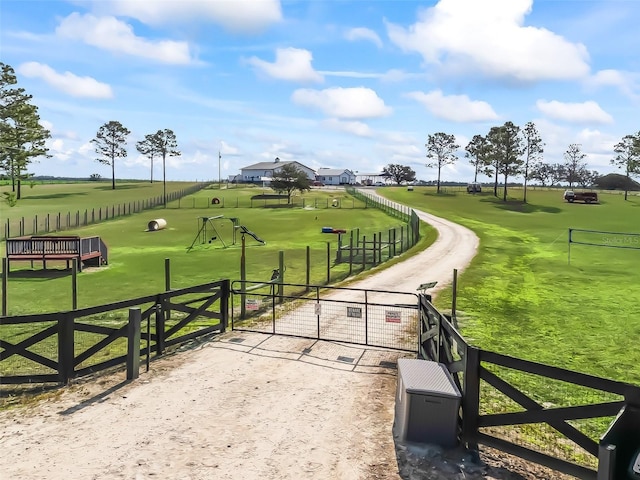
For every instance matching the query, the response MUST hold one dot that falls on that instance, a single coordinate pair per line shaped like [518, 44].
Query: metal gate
[374, 318]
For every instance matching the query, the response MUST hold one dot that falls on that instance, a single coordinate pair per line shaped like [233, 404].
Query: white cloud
[455, 108]
[585, 112]
[363, 34]
[109, 33]
[352, 103]
[293, 64]
[226, 149]
[490, 37]
[246, 16]
[359, 129]
[67, 82]
[627, 83]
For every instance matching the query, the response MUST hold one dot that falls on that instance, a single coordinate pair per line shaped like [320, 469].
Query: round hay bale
[157, 224]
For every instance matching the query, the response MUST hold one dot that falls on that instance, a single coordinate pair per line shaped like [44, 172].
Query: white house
[335, 176]
[258, 172]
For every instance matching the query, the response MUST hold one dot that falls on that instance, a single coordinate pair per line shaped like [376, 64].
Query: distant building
[335, 176]
[372, 178]
[260, 172]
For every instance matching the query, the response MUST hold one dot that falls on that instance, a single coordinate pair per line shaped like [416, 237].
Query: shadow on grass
[443, 193]
[123, 186]
[48, 274]
[54, 196]
[521, 207]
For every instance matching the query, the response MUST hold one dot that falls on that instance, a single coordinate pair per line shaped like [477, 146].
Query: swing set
[208, 233]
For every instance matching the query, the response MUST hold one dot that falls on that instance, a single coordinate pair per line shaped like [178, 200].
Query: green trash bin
[619, 450]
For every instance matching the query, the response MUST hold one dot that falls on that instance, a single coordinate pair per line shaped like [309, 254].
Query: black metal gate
[374, 318]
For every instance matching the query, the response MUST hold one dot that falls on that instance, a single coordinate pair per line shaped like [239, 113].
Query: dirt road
[241, 407]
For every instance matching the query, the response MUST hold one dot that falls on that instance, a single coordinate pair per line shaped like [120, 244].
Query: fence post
[454, 296]
[471, 395]
[281, 279]
[375, 247]
[133, 344]
[65, 347]
[328, 263]
[5, 274]
[308, 267]
[243, 280]
[225, 291]
[394, 242]
[74, 284]
[159, 328]
[364, 253]
[351, 254]
[167, 284]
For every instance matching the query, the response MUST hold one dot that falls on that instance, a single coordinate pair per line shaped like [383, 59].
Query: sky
[328, 83]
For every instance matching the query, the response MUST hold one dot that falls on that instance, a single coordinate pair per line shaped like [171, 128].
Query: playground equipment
[157, 224]
[208, 233]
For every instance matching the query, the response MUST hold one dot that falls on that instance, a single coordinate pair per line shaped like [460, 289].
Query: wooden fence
[56, 347]
[47, 223]
[544, 414]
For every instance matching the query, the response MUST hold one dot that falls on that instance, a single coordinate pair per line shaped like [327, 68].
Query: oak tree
[399, 173]
[288, 179]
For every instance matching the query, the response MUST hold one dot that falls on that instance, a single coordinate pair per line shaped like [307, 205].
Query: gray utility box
[427, 403]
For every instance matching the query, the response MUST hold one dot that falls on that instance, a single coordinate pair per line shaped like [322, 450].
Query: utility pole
[219, 176]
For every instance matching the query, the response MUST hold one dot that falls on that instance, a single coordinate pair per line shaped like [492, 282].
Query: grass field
[137, 257]
[54, 198]
[520, 297]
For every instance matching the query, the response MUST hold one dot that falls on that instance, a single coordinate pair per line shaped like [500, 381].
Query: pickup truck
[586, 197]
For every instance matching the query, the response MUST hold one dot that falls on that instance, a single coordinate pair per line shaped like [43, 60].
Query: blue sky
[336, 83]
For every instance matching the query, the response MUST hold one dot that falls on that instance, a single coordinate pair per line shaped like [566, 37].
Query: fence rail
[544, 414]
[57, 347]
[48, 223]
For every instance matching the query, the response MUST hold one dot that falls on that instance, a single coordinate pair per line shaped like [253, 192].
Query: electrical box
[427, 403]
[619, 451]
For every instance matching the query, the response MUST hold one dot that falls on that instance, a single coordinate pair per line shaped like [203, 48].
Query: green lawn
[520, 297]
[137, 256]
[54, 198]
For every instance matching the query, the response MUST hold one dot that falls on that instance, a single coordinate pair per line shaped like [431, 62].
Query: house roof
[333, 171]
[271, 165]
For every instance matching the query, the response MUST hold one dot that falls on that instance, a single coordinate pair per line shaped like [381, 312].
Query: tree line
[508, 151]
[505, 152]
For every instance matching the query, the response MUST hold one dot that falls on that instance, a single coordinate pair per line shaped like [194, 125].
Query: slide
[244, 229]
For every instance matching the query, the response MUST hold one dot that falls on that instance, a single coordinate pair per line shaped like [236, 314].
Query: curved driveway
[454, 248]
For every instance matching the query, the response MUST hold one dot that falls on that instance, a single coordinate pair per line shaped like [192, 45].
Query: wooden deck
[50, 248]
